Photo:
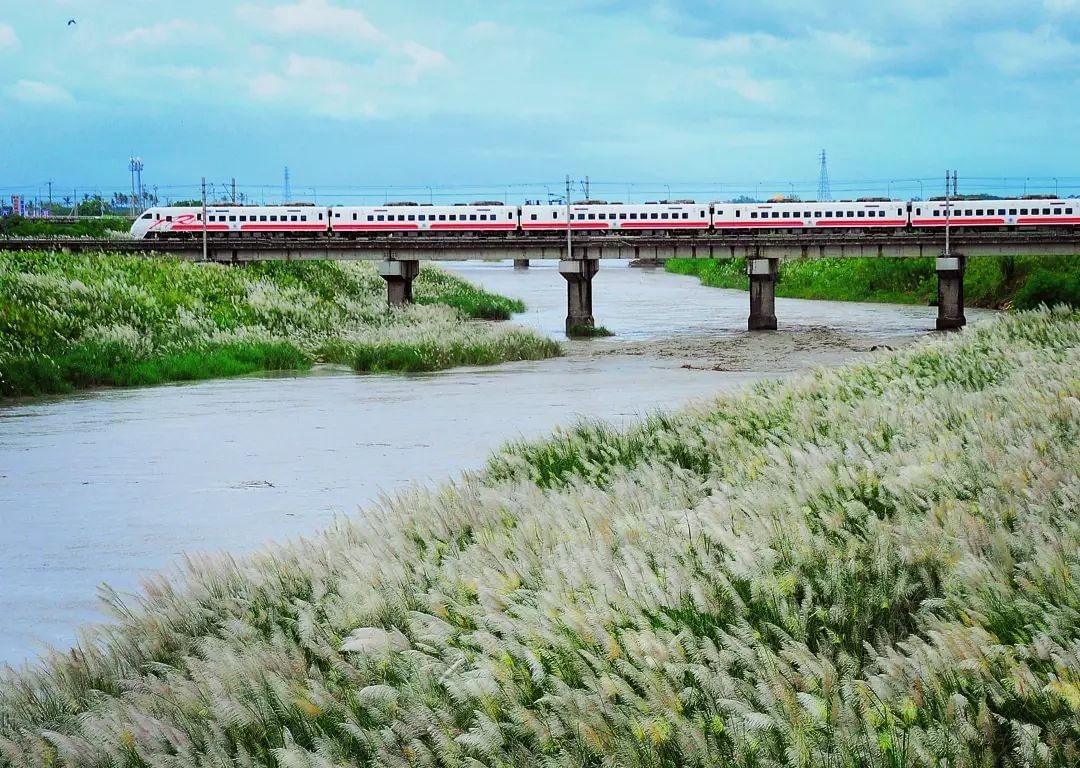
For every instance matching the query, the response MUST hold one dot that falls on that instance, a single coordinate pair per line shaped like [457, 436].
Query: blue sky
[694, 94]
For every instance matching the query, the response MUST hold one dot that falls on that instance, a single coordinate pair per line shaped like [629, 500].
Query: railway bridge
[399, 256]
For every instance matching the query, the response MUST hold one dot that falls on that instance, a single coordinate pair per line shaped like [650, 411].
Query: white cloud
[1023, 53]
[739, 81]
[9, 41]
[313, 17]
[36, 92]
[846, 44]
[488, 30]
[267, 86]
[742, 44]
[424, 59]
[164, 33]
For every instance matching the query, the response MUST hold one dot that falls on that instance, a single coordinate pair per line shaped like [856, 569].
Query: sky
[445, 100]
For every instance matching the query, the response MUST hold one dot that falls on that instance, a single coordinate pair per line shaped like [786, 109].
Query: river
[107, 486]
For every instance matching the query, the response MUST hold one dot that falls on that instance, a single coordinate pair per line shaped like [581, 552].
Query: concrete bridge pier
[521, 263]
[579, 274]
[950, 292]
[399, 277]
[762, 274]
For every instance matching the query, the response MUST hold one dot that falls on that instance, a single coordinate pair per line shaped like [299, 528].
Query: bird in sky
[70, 22]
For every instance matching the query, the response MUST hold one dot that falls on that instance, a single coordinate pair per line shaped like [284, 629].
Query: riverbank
[74, 321]
[872, 565]
[1022, 282]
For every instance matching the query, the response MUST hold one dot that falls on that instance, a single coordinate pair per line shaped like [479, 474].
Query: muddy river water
[106, 486]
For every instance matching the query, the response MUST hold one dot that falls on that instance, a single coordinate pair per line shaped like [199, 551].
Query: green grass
[588, 332]
[437, 287]
[17, 226]
[874, 566]
[71, 321]
[996, 282]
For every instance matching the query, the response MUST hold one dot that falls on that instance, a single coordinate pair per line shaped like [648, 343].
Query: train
[674, 218]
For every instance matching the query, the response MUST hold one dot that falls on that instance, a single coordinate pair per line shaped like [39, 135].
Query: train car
[478, 218]
[234, 220]
[601, 216]
[930, 214]
[853, 214]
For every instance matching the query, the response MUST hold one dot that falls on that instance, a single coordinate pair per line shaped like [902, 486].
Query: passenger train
[677, 217]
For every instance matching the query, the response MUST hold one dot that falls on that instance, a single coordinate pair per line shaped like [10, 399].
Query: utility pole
[204, 256]
[569, 236]
[950, 179]
[288, 189]
[50, 197]
[233, 198]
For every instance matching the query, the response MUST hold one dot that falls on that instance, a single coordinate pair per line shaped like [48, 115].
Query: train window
[1068, 211]
[198, 217]
[554, 214]
[442, 217]
[1012, 211]
[337, 214]
[1001, 211]
[701, 214]
[753, 214]
[851, 214]
[273, 218]
[1023, 211]
[369, 218]
[1046, 211]
[1057, 211]
[262, 218]
[453, 217]
[509, 215]
[622, 215]
[776, 214]
[937, 213]
[168, 218]
[918, 211]
[686, 215]
[806, 214]
[899, 211]
[738, 214]
[581, 217]
[663, 215]
[320, 217]
[380, 217]
[412, 217]
[601, 216]
[862, 214]
[633, 215]
[401, 217]
[532, 216]
[147, 216]
[591, 216]
[978, 211]
[654, 216]
[231, 218]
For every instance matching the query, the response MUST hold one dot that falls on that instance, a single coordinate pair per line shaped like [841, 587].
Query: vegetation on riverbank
[989, 281]
[17, 226]
[69, 321]
[877, 565]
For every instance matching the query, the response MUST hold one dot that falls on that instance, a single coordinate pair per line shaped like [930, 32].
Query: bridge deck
[753, 245]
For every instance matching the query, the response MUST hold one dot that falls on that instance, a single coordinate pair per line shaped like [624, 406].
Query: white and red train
[681, 216]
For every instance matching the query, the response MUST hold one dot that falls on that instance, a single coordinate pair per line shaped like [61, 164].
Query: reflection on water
[105, 486]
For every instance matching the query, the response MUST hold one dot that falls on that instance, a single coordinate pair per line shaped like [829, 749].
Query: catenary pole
[204, 249]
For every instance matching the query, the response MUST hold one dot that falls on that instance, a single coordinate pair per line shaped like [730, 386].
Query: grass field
[69, 321]
[876, 565]
[1020, 282]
